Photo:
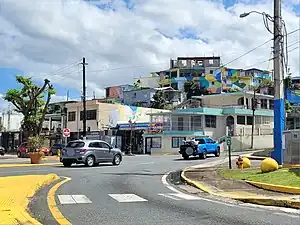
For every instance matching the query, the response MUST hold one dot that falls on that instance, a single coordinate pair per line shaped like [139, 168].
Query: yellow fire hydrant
[239, 162]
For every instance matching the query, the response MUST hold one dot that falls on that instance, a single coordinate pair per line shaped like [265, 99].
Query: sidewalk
[210, 181]
[15, 194]
[8, 161]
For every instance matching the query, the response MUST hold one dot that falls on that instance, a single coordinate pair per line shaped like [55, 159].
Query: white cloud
[44, 35]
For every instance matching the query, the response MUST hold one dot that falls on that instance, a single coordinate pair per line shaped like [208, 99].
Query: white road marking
[81, 199]
[66, 199]
[169, 196]
[127, 198]
[146, 163]
[186, 196]
[73, 199]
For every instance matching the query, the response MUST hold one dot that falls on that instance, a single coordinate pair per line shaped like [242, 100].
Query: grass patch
[287, 177]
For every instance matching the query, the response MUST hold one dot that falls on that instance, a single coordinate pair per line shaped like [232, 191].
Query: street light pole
[279, 113]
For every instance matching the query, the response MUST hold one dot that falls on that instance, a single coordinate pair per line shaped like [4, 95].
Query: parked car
[2, 151]
[22, 151]
[90, 153]
[200, 147]
[55, 148]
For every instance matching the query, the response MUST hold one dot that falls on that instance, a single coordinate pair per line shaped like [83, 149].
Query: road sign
[228, 140]
[67, 132]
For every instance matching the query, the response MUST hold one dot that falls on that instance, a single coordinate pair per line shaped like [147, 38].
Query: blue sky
[8, 81]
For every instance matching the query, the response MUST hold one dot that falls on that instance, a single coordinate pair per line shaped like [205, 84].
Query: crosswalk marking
[180, 196]
[127, 198]
[73, 199]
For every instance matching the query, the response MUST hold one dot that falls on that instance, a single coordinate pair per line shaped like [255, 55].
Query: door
[98, 151]
[210, 145]
[148, 145]
[107, 153]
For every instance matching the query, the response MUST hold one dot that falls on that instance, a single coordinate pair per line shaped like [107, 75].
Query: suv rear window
[75, 144]
[201, 141]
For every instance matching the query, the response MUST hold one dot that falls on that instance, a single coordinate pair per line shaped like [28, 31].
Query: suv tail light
[82, 150]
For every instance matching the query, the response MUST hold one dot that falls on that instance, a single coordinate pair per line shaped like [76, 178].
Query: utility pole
[253, 117]
[279, 112]
[84, 97]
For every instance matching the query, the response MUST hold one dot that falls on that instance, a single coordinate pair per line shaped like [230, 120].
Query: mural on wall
[224, 79]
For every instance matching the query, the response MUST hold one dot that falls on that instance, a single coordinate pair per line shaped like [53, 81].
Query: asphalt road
[150, 199]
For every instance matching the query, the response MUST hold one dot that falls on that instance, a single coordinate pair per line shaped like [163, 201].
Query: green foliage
[266, 83]
[137, 84]
[165, 82]
[288, 107]
[191, 88]
[30, 101]
[34, 143]
[159, 102]
[288, 82]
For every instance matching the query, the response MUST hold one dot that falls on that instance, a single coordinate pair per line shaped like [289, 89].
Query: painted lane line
[73, 199]
[186, 196]
[66, 199]
[169, 196]
[81, 199]
[127, 198]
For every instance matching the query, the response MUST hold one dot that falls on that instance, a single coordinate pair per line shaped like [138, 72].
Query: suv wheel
[67, 164]
[203, 155]
[19, 154]
[117, 160]
[90, 161]
[217, 154]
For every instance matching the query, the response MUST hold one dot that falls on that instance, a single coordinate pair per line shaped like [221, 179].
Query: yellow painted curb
[15, 194]
[243, 196]
[27, 165]
[196, 183]
[58, 216]
[273, 187]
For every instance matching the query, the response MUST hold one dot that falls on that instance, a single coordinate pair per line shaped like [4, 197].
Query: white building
[11, 121]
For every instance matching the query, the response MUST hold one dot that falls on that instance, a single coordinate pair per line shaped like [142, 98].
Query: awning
[134, 126]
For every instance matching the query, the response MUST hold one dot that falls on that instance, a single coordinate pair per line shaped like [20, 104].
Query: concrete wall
[240, 143]
[137, 96]
[11, 122]
[217, 132]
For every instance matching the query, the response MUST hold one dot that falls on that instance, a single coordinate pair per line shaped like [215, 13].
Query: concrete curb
[276, 188]
[251, 157]
[267, 201]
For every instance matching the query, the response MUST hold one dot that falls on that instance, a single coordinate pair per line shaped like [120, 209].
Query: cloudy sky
[122, 39]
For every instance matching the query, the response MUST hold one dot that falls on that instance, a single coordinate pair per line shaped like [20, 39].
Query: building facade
[218, 116]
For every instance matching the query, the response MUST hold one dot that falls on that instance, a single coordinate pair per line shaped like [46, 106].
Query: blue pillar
[279, 123]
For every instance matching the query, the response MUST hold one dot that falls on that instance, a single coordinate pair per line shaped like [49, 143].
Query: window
[241, 120]
[177, 141]
[90, 114]
[265, 120]
[200, 140]
[94, 145]
[196, 123]
[249, 120]
[264, 103]
[211, 71]
[271, 104]
[210, 61]
[180, 123]
[71, 116]
[156, 142]
[241, 101]
[75, 144]
[211, 121]
[103, 145]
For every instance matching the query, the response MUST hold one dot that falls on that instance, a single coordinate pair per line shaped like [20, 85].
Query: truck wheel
[217, 154]
[203, 155]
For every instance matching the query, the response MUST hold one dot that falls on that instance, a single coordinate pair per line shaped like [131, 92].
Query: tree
[32, 101]
[137, 84]
[159, 102]
[191, 88]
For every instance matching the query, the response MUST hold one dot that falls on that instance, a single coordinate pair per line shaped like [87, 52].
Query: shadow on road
[135, 174]
[84, 166]
[192, 158]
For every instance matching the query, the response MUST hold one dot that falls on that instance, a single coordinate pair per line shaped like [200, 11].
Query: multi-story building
[116, 120]
[144, 96]
[115, 94]
[218, 116]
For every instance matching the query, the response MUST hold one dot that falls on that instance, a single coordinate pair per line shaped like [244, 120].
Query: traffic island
[16, 192]
[227, 183]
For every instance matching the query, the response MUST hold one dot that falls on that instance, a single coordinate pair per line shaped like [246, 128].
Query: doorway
[230, 125]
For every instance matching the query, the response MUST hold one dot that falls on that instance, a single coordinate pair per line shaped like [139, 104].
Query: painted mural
[124, 113]
[224, 79]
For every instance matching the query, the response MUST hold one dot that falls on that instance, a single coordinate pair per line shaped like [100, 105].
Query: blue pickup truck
[199, 147]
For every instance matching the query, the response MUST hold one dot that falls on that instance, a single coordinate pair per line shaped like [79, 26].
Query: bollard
[58, 153]
[239, 162]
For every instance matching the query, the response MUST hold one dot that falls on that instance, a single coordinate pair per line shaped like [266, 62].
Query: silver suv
[90, 152]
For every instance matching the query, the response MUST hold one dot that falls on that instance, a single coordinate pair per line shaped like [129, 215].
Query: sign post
[228, 142]
[66, 134]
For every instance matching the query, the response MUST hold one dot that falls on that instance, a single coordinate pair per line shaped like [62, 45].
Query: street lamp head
[243, 15]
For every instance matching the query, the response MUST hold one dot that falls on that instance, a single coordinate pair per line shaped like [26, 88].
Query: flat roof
[232, 94]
